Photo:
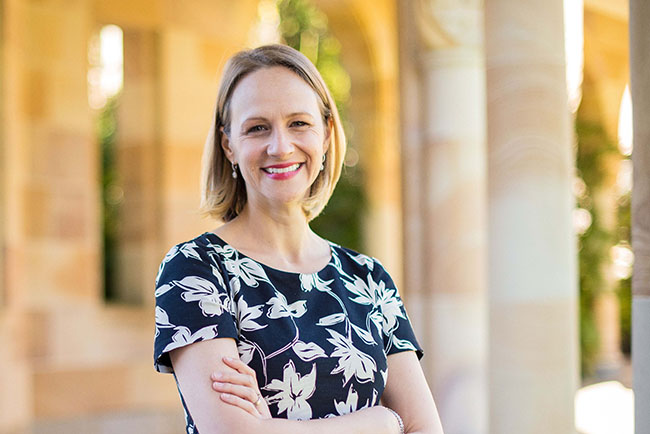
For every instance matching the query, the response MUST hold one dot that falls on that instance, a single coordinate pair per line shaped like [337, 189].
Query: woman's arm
[194, 365]
[408, 394]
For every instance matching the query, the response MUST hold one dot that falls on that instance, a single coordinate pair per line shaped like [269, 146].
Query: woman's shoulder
[196, 251]
[197, 246]
[359, 261]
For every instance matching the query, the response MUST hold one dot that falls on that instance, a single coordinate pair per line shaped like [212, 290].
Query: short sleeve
[397, 330]
[192, 303]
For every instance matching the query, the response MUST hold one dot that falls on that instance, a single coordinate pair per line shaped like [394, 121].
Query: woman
[265, 325]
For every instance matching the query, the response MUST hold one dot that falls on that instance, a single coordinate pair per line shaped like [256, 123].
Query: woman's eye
[299, 124]
[256, 129]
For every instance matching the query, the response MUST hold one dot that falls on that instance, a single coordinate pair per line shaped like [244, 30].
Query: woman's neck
[283, 238]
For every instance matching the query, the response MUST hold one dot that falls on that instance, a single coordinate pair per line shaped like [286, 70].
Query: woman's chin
[288, 200]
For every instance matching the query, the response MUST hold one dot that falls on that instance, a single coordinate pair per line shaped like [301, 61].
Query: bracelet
[399, 420]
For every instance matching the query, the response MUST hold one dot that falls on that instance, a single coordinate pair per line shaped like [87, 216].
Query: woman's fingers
[243, 392]
[244, 404]
[234, 378]
[240, 385]
[242, 375]
[239, 366]
[241, 397]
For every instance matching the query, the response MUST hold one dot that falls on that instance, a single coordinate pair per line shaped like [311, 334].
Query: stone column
[50, 213]
[3, 168]
[443, 121]
[533, 363]
[138, 165]
[196, 46]
[369, 53]
[607, 318]
[640, 88]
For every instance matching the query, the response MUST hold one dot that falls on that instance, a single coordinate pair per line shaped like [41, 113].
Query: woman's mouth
[279, 170]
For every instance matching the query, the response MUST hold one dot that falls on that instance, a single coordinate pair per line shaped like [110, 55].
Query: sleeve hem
[418, 351]
[162, 362]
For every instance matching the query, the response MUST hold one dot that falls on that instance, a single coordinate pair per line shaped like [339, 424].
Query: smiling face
[277, 136]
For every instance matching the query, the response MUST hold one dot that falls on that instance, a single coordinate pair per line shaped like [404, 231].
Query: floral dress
[318, 342]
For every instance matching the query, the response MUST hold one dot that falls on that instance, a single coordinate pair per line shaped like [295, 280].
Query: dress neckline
[268, 267]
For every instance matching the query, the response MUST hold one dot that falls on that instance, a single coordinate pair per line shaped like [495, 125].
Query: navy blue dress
[318, 342]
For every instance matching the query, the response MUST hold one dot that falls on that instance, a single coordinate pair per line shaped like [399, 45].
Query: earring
[322, 164]
[234, 170]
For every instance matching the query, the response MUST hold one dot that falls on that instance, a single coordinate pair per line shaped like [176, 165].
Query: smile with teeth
[283, 169]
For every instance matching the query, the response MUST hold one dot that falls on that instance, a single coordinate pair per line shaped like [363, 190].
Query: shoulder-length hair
[224, 197]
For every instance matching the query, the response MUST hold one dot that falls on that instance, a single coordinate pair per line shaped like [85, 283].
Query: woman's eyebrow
[290, 115]
[255, 118]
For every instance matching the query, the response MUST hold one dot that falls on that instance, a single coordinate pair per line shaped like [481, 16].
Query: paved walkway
[600, 408]
[605, 408]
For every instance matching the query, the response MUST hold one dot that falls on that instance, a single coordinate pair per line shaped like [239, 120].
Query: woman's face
[277, 136]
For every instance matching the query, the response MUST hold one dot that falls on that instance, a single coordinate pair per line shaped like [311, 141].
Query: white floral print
[390, 307]
[365, 293]
[362, 259]
[246, 316]
[246, 351]
[280, 308]
[162, 320]
[184, 336]
[351, 403]
[309, 281]
[293, 392]
[318, 342]
[168, 257]
[352, 362]
[308, 351]
[402, 344]
[249, 271]
[332, 319]
[211, 301]
[189, 250]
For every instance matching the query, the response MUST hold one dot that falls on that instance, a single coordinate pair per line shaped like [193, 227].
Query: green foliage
[304, 28]
[111, 193]
[595, 151]
[341, 219]
[625, 285]
[625, 300]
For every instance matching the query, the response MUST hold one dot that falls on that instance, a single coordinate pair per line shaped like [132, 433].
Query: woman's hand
[240, 388]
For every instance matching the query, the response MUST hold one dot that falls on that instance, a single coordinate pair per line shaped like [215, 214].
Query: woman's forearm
[373, 420]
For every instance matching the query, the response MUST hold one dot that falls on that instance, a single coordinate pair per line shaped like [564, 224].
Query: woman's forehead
[272, 90]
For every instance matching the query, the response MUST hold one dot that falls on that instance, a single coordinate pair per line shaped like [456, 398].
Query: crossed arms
[229, 405]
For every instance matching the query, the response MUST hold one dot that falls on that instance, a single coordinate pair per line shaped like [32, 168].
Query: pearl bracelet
[399, 420]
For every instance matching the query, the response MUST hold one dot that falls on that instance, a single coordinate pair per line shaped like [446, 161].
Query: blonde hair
[224, 197]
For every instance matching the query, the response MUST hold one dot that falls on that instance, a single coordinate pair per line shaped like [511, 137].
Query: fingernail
[227, 359]
[225, 395]
[217, 384]
[217, 375]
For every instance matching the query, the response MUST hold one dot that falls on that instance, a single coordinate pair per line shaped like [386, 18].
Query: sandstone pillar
[138, 160]
[532, 248]
[443, 121]
[640, 88]
[3, 169]
[52, 197]
[49, 221]
[607, 316]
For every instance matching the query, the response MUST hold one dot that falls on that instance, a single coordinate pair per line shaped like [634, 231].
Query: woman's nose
[280, 144]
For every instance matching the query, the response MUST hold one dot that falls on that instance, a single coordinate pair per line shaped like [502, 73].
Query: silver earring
[322, 164]
[234, 170]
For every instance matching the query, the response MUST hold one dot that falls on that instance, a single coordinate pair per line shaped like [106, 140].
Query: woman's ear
[225, 145]
[328, 134]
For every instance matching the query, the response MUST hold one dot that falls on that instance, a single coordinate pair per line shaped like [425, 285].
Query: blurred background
[488, 169]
